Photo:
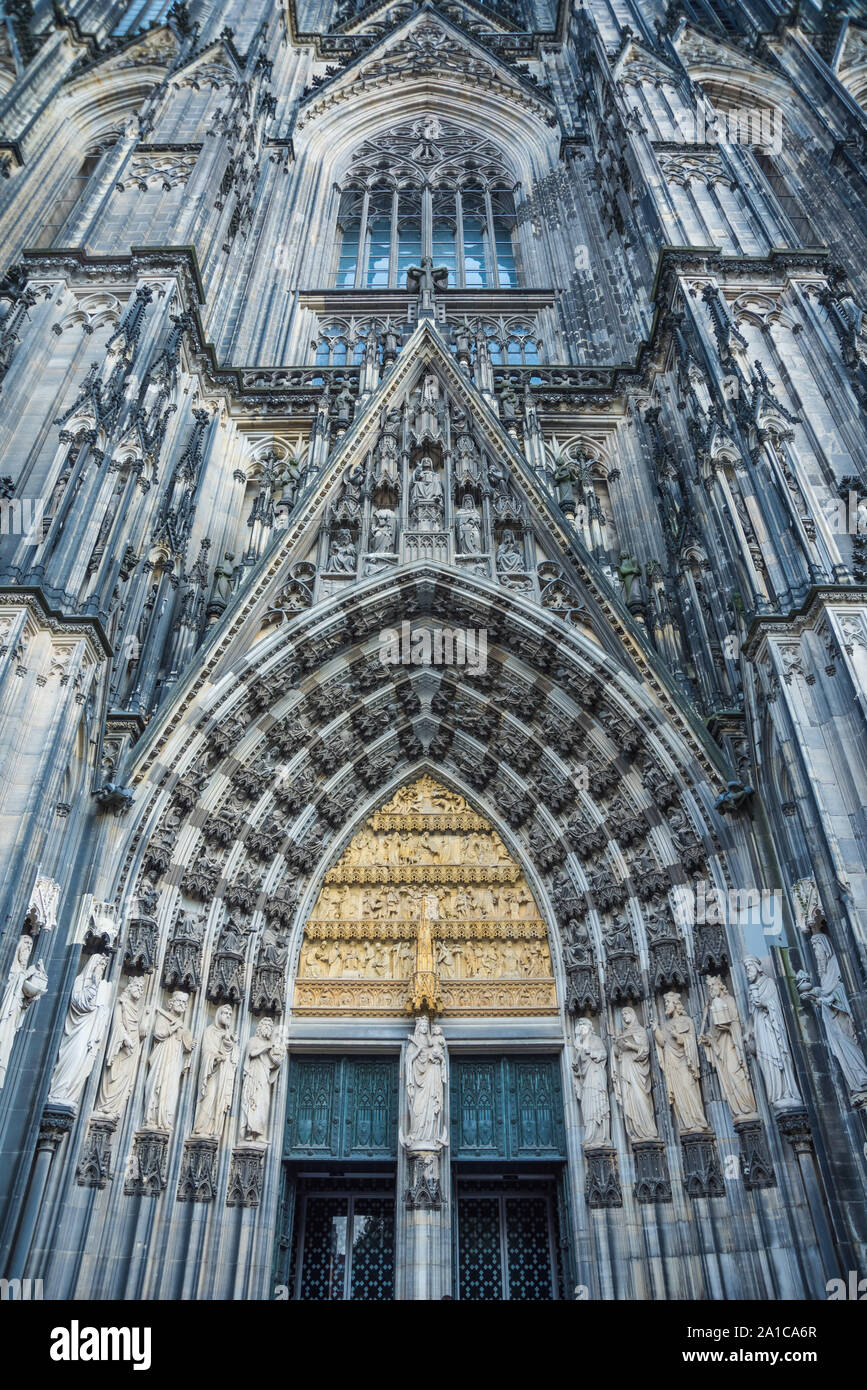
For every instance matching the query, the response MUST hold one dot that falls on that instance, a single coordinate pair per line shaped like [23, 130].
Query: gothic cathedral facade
[433, 621]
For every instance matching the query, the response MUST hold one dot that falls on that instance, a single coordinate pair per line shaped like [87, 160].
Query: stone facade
[468, 398]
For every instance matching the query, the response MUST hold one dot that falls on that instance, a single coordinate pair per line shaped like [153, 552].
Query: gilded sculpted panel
[425, 909]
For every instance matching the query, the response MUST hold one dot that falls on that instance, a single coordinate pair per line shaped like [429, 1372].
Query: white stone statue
[591, 1085]
[128, 1028]
[723, 1042]
[83, 1032]
[25, 984]
[830, 998]
[168, 1062]
[426, 1076]
[265, 1054]
[677, 1050]
[630, 1072]
[767, 1037]
[216, 1075]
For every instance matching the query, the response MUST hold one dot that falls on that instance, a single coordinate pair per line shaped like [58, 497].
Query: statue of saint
[426, 496]
[677, 1049]
[265, 1055]
[723, 1043]
[168, 1062]
[468, 527]
[426, 1075]
[767, 1037]
[216, 1075]
[510, 558]
[591, 1085]
[632, 1080]
[830, 998]
[342, 555]
[83, 1032]
[24, 985]
[382, 527]
[128, 1028]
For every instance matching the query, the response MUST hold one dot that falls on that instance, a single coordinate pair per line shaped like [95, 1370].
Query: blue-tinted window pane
[444, 248]
[377, 258]
[140, 16]
[348, 257]
[505, 255]
[475, 272]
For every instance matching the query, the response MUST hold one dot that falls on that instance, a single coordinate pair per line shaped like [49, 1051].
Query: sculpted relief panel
[425, 889]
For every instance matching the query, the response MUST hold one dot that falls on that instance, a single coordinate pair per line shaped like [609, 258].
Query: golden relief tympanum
[425, 909]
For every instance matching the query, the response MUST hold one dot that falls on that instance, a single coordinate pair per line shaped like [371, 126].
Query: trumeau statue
[830, 998]
[591, 1085]
[24, 985]
[630, 1071]
[426, 1075]
[128, 1028]
[83, 1032]
[767, 1037]
[265, 1055]
[217, 1068]
[677, 1049]
[724, 1045]
[169, 1061]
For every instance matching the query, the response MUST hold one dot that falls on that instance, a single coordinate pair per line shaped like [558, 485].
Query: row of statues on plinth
[90, 1015]
[677, 1042]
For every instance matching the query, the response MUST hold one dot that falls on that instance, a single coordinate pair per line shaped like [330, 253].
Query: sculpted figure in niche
[830, 998]
[677, 1049]
[767, 1037]
[591, 1086]
[128, 1028]
[342, 557]
[25, 984]
[723, 1043]
[265, 1054]
[468, 527]
[169, 1061]
[632, 1080]
[83, 1032]
[426, 496]
[510, 557]
[216, 1075]
[382, 528]
[426, 1075]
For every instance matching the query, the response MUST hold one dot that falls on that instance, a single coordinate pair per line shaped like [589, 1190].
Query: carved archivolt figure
[128, 1028]
[767, 1037]
[591, 1086]
[25, 984]
[168, 1062]
[677, 1049]
[724, 1045]
[426, 1074]
[632, 1080]
[265, 1055]
[83, 1032]
[216, 1075]
[468, 527]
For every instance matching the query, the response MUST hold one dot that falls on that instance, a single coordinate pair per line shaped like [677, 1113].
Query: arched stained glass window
[446, 194]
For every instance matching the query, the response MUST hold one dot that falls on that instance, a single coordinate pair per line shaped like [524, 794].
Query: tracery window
[341, 343]
[427, 188]
[73, 189]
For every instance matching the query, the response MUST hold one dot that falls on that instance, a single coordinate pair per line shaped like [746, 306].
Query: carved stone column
[56, 1122]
